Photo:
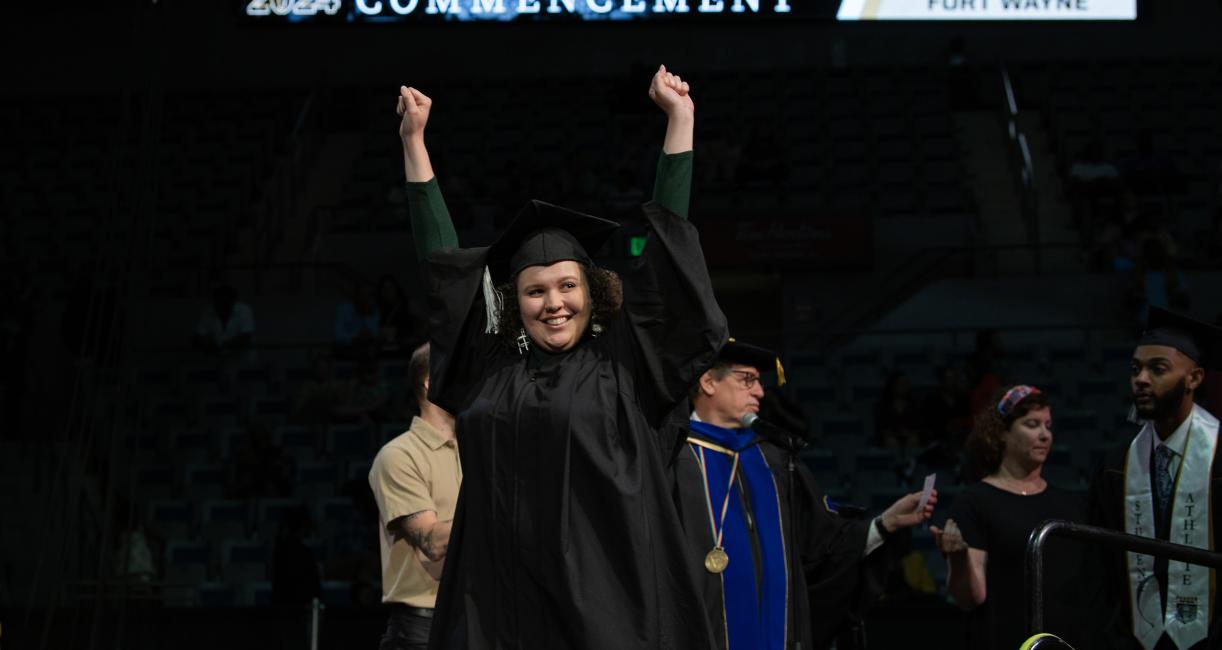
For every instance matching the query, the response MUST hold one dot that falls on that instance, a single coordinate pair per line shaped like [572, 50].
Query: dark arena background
[893, 204]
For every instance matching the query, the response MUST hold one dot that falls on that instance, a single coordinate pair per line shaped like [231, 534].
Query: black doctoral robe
[836, 582]
[1107, 511]
[565, 534]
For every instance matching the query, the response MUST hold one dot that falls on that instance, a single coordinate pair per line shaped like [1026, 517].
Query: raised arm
[673, 185]
[432, 227]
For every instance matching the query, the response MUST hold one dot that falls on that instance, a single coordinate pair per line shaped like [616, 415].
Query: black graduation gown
[835, 584]
[1107, 511]
[565, 534]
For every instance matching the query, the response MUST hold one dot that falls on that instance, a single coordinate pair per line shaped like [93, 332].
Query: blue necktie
[1162, 477]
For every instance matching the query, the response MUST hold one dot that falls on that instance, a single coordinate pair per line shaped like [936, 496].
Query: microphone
[771, 431]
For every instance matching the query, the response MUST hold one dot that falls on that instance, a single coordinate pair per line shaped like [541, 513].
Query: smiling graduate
[560, 374]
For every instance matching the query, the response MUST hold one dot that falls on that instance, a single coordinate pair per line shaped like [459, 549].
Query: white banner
[987, 10]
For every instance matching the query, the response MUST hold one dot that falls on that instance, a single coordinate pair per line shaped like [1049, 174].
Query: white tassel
[493, 303]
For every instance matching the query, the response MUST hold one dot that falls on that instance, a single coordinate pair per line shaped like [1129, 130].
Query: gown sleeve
[459, 347]
[432, 227]
[674, 318]
[840, 584]
[672, 188]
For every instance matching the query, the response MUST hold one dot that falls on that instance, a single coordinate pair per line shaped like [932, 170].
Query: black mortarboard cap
[762, 359]
[543, 233]
[1196, 340]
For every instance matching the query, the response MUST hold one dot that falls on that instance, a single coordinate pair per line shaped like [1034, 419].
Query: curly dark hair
[606, 294]
[986, 444]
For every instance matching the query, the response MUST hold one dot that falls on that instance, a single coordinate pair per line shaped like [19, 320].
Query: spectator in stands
[984, 540]
[365, 395]
[396, 325]
[261, 468]
[415, 480]
[356, 323]
[1110, 240]
[295, 576]
[1093, 186]
[318, 397]
[946, 417]
[1156, 281]
[897, 423]
[226, 328]
[1092, 172]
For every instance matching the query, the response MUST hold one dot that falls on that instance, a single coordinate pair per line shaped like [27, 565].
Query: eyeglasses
[747, 379]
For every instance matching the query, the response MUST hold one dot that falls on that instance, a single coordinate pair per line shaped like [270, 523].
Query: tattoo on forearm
[421, 539]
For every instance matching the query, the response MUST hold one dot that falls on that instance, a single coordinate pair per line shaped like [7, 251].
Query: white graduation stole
[1190, 588]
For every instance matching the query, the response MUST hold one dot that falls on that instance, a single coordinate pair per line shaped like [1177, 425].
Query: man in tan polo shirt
[415, 480]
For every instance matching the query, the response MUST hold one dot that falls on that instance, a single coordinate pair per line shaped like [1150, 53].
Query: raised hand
[904, 514]
[671, 93]
[949, 540]
[414, 107]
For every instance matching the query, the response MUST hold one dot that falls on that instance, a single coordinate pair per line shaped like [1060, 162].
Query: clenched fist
[414, 107]
[671, 93]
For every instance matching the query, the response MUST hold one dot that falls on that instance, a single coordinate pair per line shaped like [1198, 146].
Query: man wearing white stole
[1160, 485]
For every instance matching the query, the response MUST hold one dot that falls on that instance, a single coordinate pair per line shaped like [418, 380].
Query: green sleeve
[673, 187]
[432, 227]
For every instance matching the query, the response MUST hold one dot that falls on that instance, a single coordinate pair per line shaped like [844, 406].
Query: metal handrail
[1021, 154]
[1101, 536]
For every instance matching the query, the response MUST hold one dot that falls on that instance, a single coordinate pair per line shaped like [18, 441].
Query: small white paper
[926, 491]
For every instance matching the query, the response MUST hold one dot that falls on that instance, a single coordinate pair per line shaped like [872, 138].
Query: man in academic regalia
[744, 501]
[1160, 485]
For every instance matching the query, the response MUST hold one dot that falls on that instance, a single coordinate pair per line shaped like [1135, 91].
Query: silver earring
[523, 341]
[596, 329]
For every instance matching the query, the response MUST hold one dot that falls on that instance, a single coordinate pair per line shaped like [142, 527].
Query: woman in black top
[985, 538]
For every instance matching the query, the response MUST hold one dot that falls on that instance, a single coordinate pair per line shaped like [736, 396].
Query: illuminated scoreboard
[392, 11]
[374, 11]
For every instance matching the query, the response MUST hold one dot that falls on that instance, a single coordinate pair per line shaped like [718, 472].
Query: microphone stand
[795, 556]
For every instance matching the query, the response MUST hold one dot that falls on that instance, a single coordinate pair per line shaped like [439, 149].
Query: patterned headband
[1013, 397]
